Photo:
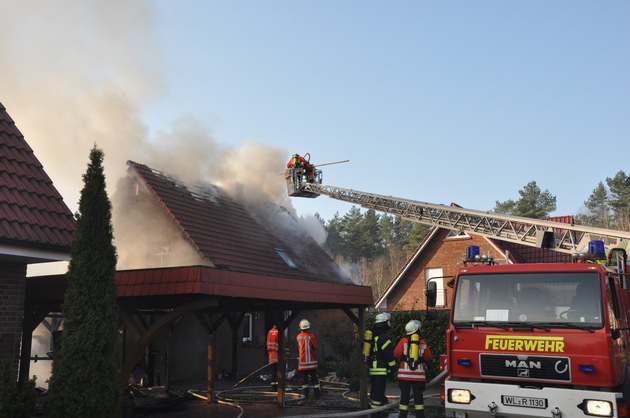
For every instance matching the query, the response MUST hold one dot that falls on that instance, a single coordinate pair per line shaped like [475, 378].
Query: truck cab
[547, 340]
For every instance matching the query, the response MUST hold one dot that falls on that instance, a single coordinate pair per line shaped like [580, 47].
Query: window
[436, 272]
[286, 258]
[247, 330]
[453, 234]
[553, 298]
[160, 253]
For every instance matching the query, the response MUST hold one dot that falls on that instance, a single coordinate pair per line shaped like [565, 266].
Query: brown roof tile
[32, 212]
[226, 232]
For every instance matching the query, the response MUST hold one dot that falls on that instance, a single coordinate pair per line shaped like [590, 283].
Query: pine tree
[372, 244]
[334, 242]
[619, 186]
[598, 208]
[533, 203]
[84, 381]
[352, 234]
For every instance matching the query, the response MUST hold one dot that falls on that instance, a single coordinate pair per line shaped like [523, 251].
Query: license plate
[524, 401]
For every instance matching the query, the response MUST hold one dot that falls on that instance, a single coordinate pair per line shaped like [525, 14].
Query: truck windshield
[529, 298]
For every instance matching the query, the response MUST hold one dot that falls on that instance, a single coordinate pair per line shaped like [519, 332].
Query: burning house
[203, 272]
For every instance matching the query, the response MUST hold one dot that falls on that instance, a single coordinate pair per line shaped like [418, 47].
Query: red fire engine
[539, 340]
[529, 340]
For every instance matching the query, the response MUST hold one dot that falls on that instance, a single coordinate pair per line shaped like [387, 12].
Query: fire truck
[524, 340]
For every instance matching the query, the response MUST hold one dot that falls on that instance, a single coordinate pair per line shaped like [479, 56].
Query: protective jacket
[405, 372]
[273, 345]
[382, 359]
[307, 345]
[297, 161]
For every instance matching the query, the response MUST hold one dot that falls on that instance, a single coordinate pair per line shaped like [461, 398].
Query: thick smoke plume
[76, 74]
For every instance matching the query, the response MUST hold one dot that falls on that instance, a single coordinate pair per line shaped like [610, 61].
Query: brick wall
[12, 287]
[440, 252]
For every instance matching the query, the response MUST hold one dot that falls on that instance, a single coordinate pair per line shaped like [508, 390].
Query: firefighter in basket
[303, 167]
[412, 353]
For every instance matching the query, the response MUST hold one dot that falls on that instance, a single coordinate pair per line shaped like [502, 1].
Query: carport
[213, 296]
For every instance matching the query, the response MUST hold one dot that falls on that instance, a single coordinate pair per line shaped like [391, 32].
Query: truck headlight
[459, 396]
[597, 408]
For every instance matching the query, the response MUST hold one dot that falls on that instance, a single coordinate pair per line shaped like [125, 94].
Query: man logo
[522, 364]
[522, 372]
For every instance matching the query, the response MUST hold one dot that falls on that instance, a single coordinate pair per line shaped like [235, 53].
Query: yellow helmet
[304, 324]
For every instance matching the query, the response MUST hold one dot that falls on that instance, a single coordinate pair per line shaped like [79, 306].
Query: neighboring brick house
[36, 226]
[442, 253]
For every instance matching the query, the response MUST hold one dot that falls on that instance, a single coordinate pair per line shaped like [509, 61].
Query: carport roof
[234, 289]
[167, 288]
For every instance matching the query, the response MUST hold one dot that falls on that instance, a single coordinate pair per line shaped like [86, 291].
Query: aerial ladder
[563, 237]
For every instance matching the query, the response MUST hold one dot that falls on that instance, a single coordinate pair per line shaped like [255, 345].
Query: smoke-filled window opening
[160, 254]
[286, 259]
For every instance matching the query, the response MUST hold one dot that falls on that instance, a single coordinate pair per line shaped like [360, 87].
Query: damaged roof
[35, 223]
[231, 236]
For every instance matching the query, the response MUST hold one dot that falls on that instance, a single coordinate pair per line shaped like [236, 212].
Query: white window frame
[248, 330]
[430, 273]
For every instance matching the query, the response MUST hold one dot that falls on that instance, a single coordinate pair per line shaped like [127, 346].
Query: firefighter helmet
[412, 326]
[382, 317]
[304, 324]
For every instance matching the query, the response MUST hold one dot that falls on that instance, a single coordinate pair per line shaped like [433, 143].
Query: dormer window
[286, 258]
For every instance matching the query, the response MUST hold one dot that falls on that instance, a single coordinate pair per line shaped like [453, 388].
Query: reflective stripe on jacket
[382, 358]
[273, 345]
[307, 344]
[404, 371]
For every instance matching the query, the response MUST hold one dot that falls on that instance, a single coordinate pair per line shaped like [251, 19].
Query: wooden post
[210, 387]
[282, 362]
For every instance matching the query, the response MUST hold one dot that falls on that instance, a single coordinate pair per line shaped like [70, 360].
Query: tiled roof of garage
[236, 286]
[32, 212]
[528, 254]
[225, 232]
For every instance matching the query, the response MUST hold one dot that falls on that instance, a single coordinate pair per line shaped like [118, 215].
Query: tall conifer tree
[84, 381]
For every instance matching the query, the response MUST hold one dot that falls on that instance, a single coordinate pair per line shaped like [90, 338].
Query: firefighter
[307, 363]
[302, 167]
[272, 348]
[412, 352]
[382, 363]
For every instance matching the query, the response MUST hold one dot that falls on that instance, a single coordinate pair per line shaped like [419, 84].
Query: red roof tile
[32, 212]
[527, 254]
[201, 280]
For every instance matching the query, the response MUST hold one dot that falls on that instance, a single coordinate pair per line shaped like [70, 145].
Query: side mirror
[615, 334]
[431, 294]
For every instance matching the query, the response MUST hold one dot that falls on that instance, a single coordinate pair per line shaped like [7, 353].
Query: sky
[434, 101]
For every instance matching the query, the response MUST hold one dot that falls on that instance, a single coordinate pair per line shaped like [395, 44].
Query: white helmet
[412, 326]
[304, 324]
[382, 317]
